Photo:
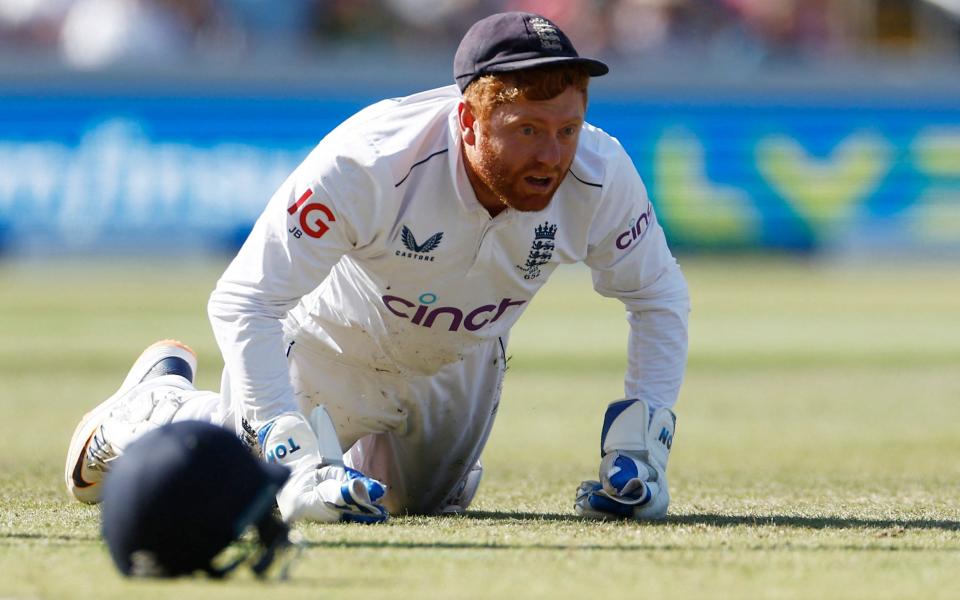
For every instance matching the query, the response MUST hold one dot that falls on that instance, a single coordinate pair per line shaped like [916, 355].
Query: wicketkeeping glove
[634, 448]
[320, 487]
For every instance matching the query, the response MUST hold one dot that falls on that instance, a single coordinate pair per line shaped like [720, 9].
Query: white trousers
[418, 435]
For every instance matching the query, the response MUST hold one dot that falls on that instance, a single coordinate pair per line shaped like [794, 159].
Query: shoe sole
[89, 493]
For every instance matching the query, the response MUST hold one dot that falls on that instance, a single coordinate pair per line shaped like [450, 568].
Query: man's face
[520, 154]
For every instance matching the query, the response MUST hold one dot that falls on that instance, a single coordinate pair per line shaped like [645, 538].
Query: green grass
[815, 456]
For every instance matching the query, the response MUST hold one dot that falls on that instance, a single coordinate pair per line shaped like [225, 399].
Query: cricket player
[370, 308]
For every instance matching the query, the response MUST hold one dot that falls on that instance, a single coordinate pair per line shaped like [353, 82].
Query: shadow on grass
[719, 520]
[813, 523]
[501, 517]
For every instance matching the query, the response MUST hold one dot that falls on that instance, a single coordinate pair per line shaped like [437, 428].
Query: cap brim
[595, 68]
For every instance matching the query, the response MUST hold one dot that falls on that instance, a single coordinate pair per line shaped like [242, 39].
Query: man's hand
[635, 447]
[629, 487]
[320, 487]
[330, 494]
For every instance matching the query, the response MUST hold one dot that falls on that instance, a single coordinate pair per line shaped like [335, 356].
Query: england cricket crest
[547, 32]
[541, 250]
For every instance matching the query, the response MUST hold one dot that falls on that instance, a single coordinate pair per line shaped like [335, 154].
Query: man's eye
[527, 130]
[571, 130]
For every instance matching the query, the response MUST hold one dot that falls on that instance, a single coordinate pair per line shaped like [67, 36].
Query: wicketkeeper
[370, 308]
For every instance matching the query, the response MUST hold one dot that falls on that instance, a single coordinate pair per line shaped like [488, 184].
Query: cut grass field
[816, 451]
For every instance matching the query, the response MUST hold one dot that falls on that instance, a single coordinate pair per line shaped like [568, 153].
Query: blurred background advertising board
[815, 127]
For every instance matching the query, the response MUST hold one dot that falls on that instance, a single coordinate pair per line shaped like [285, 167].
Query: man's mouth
[538, 182]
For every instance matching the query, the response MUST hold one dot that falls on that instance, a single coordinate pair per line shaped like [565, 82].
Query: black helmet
[182, 493]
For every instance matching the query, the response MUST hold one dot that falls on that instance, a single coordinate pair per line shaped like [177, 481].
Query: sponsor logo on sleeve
[418, 251]
[314, 217]
[541, 250]
[636, 230]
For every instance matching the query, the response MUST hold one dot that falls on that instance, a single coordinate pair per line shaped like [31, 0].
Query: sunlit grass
[815, 453]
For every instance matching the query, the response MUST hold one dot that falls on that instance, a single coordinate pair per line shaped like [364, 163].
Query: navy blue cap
[512, 41]
[182, 493]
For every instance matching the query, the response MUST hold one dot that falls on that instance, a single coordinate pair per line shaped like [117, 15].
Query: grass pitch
[816, 451]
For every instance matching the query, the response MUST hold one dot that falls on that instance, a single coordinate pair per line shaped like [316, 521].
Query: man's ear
[468, 123]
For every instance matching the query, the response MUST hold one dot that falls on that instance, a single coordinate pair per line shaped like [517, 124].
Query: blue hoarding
[124, 172]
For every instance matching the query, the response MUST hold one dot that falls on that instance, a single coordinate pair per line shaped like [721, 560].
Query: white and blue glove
[634, 448]
[320, 487]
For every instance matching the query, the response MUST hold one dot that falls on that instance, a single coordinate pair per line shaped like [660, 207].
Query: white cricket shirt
[376, 252]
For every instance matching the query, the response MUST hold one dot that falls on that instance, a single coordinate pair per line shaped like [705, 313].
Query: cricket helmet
[181, 494]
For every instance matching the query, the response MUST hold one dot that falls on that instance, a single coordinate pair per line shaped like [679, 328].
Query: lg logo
[311, 223]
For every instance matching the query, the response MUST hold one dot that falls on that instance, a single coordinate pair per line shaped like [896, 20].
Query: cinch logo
[665, 438]
[638, 227]
[315, 228]
[418, 251]
[426, 315]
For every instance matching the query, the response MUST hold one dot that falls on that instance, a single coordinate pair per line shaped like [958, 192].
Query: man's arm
[309, 223]
[306, 228]
[630, 261]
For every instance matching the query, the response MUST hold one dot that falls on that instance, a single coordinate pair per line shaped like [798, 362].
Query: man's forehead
[568, 106]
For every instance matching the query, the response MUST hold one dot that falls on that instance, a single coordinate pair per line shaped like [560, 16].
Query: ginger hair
[488, 92]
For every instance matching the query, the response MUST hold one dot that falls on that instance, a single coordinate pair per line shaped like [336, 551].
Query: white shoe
[91, 449]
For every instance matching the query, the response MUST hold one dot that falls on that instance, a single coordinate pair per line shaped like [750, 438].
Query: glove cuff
[660, 436]
[289, 440]
[624, 426]
[629, 426]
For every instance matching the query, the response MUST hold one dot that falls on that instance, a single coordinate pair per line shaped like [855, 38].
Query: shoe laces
[143, 413]
[99, 452]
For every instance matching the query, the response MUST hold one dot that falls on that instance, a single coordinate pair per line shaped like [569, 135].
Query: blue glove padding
[593, 502]
[362, 507]
[635, 446]
[630, 488]
[320, 487]
[626, 478]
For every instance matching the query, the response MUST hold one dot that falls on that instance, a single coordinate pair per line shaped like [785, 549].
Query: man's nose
[548, 152]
